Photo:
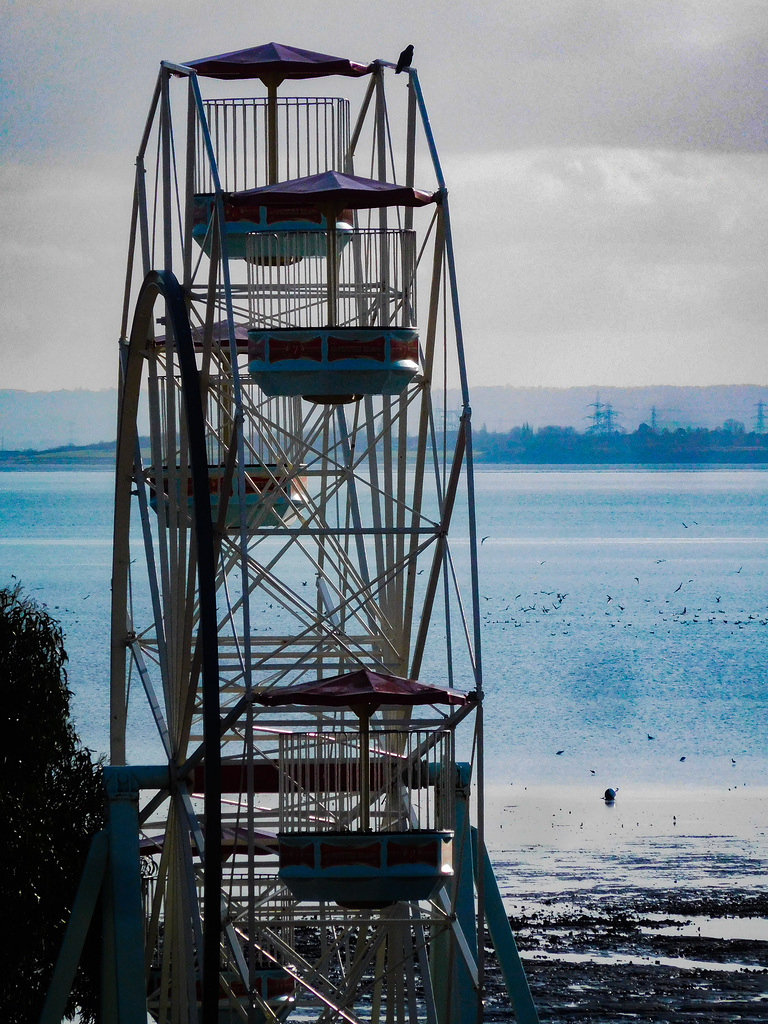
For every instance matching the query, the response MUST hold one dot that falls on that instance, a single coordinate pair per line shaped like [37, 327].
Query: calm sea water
[617, 606]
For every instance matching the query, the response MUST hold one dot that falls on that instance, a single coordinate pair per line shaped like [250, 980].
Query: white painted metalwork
[375, 278]
[405, 763]
[313, 133]
[331, 527]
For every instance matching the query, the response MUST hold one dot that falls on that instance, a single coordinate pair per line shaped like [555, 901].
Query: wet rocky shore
[645, 955]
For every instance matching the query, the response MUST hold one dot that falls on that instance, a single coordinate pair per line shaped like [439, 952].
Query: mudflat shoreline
[644, 955]
[654, 909]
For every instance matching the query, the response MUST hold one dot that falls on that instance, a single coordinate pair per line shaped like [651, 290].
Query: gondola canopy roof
[332, 188]
[277, 62]
[362, 688]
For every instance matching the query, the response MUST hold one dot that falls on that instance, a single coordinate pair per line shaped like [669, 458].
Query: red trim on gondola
[315, 778]
[345, 348]
[234, 212]
[277, 987]
[404, 349]
[333, 856]
[276, 214]
[312, 348]
[412, 853]
[257, 349]
[253, 485]
[297, 856]
[233, 777]
[330, 778]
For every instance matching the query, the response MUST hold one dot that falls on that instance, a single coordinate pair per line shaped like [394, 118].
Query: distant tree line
[731, 443]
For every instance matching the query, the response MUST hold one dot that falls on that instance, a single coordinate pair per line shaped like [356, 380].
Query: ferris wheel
[287, 603]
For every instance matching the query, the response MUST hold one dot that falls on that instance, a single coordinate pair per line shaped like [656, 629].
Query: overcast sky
[606, 162]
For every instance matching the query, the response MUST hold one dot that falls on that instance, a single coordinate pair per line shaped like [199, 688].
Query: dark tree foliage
[51, 804]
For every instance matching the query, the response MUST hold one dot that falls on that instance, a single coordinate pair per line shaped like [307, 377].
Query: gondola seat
[332, 364]
[279, 235]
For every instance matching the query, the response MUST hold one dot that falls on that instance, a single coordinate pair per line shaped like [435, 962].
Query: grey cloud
[606, 162]
[565, 72]
[614, 240]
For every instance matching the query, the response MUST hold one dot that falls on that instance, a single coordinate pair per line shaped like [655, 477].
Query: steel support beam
[111, 870]
[453, 957]
[80, 918]
[503, 940]
[123, 898]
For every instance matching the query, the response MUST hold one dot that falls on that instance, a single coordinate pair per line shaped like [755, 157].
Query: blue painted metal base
[503, 940]
[354, 869]
[112, 870]
[456, 995]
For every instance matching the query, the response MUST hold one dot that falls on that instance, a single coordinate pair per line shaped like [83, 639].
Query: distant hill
[99, 456]
[52, 419]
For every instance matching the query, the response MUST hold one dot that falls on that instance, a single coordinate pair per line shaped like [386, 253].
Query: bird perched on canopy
[405, 58]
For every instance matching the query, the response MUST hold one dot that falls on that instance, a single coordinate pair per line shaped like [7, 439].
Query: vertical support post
[503, 939]
[109, 1008]
[365, 769]
[189, 206]
[381, 170]
[460, 1007]
[121, 560]
[467, 424]
[455, 995]
[165, 136]
[463, 855]
[357, 521]
[141, 188]
[381, 131]
[332, 268]
[410, 150]
[421, 449]
[272, 84]
[123, 965]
